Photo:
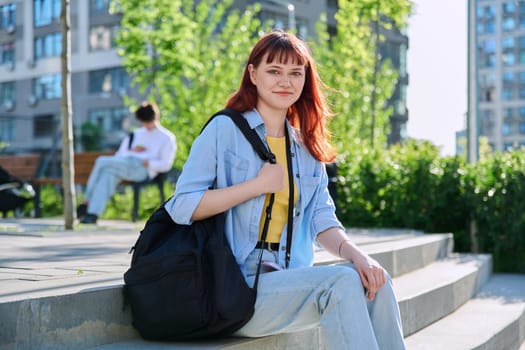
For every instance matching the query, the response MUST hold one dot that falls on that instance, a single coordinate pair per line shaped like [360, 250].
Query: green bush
[498, 206]
[118, 207]
[91, 136]
[411, 186]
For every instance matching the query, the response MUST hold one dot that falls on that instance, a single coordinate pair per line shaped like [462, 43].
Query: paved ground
[39, 258]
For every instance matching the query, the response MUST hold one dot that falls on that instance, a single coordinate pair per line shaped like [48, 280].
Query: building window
[508, 42]
[43, 126]
[480, 27]
[110, 120]
[522, 21]
[99, 5]
[509, 77]
[108, 80]
[48, 46]
[7, 52]
[522, 92]
[7, 16]
[102, 37]
[522, 57]
[486, 122]
[7, 129]
[47, 87]
[509, 8]
[508, 24]
[7, 92]
[507, 94]
[490, 27]
[522, 112]
[509, 112]
[522, 6]
[46, 11]
[487, 11]
[506, 129]
[509, 59]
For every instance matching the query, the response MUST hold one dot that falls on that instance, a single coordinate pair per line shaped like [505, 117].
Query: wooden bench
[25, 167]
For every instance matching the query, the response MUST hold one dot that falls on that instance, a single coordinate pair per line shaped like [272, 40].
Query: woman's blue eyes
[276, 72]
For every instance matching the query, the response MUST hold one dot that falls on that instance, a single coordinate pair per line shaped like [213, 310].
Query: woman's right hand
[270, 178]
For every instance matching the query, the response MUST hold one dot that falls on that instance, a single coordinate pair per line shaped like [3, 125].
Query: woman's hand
[270, 178]
[372, 274]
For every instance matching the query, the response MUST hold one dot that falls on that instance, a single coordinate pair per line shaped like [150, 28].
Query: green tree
[360, 81]
[187, 56]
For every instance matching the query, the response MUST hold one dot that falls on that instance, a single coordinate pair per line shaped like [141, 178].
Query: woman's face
[278, 85]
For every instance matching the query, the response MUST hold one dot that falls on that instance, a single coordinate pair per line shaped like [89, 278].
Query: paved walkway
[39, 258]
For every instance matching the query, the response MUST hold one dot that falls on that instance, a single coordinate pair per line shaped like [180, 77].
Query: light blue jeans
[105, 177]
[328, 296]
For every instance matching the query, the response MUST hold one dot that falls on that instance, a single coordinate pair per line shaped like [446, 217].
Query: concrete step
[425, 296]
[401, 253]
[432, 292]
[493, 320]
[87, 311]
[307, 340]
[84, 312]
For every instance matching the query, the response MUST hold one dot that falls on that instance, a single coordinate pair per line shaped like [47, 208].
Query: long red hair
[309, 114]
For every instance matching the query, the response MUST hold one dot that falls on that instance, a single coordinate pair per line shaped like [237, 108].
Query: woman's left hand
[372, 274]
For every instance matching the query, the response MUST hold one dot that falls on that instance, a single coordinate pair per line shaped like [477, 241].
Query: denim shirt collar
[256, 122]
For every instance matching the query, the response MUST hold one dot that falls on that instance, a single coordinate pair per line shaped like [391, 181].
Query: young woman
[280, 94]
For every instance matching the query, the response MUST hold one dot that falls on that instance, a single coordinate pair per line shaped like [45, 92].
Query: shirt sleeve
[198, 175]
[324, 216]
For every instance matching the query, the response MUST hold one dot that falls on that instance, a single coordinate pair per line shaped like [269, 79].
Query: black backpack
[184, 282]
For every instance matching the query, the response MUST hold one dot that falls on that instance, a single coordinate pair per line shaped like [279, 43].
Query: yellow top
[280, 204]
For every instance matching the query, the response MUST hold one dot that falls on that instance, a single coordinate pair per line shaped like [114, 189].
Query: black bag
[14, 193]
[184, 282]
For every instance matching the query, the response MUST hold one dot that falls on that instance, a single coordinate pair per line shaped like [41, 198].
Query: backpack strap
[250, 134]
[130, 141]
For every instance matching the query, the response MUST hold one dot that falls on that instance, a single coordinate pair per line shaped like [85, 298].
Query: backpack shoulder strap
[130, 142]
[250, 134]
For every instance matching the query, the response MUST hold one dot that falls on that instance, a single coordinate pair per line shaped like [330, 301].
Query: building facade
[30, 47]
[496, 74]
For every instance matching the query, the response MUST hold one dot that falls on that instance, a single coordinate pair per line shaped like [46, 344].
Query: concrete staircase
[447, 301]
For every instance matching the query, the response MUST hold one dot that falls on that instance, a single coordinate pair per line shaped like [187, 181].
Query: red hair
[310, 112]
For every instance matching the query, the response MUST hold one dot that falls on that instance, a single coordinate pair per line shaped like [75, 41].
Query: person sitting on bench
[150, 151]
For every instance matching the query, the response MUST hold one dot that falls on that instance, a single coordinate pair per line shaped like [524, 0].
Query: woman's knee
[348, 280]
[101, 160]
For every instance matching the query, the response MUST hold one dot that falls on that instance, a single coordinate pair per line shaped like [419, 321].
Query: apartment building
[496, 74]
[30, 47]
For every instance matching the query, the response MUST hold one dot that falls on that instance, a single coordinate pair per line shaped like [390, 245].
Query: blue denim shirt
[221, 156]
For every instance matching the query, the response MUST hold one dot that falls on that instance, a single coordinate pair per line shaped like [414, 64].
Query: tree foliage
[186, 55]
[189, 58]
[360, 81]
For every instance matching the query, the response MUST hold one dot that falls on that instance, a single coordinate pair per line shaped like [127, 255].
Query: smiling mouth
[283, 93]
